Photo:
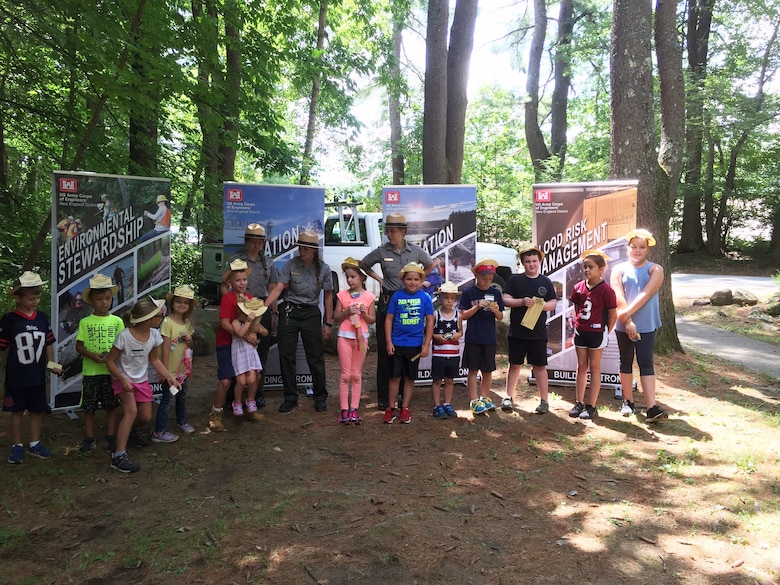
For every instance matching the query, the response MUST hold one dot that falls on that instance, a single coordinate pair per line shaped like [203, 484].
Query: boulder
[721, 298]
[701, 303]
[204, 339]
[744, 298]
[773, 308]
[758, 315]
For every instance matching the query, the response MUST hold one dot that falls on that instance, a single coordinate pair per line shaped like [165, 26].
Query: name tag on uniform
[388, 259]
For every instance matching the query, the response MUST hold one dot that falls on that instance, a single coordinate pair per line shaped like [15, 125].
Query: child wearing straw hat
[246, 361]
[481, 306]
[176, 353]
[26, 333]
[95, 337]
[408, 332]
[445, 360]
[133, 352]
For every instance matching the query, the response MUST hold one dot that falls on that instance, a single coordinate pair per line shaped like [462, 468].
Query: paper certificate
[532, 313]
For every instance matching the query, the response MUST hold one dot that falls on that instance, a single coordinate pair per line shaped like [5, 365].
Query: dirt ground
[506, 498]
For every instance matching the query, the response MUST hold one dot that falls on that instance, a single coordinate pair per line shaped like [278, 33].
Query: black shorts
[401, 363]
[96, 392]
[444, 367]
[591, 339]
[31, 398]
[533, 349]
[478, 356]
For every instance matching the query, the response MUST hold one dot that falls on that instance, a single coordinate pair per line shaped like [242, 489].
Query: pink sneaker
[406, 416]
[238, 410]
[354, 417]
[344, 417]
[251, 406]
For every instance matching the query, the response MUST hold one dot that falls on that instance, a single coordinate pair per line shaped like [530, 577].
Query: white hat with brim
[184, 291]
[641, 233]
[97, 283]
[587, 253]
[236, 265]
[255, 305]
[526, 248]
[308, 239]
[254, 231]
[448, 288]
[159, 303]
[26, 280]
[395, 219]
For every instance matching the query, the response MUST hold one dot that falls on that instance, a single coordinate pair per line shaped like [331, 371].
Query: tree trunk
[394, 105]
[560, 98]
[458, 59]
[537, 147]
[231, 104]
[5, 194]
[668, 48]
[311, 126]
[435, 108]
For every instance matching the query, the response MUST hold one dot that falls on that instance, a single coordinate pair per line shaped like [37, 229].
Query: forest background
[681, 96]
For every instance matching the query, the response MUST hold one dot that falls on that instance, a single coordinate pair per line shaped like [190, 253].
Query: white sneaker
[627, 409]
[506, 404]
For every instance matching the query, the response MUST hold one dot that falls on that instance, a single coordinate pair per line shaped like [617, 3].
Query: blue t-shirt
[648, 317]
[409, 312]
[481, 327]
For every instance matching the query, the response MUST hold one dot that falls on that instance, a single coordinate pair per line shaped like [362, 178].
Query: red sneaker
[406, 416]
[389, 416]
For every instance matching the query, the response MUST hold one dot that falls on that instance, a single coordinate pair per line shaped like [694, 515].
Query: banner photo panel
[570, 218]
[442, 220]
[284, 211]
[114, 225]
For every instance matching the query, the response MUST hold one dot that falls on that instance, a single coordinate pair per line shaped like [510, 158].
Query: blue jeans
[161, 423]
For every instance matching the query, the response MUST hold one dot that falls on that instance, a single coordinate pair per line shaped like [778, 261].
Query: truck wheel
[499, 282]
[335, 279]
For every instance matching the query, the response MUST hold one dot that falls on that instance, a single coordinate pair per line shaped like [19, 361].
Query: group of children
[120, 355]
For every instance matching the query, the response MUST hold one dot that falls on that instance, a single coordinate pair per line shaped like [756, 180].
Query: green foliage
[186, 262]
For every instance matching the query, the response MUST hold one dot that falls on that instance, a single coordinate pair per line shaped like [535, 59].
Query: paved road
[754, 355]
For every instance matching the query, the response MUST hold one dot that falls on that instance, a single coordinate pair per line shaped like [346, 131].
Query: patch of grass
[11, 536]
[746, 464]
[557, 455]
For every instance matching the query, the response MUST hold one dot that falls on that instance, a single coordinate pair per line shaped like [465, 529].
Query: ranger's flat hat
[395, 219]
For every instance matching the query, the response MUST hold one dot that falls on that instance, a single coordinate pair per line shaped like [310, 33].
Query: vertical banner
[442, 220]
[570, 218]
[284, 211]
[113, 225]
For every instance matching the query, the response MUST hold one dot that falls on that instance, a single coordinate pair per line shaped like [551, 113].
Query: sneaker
[39, 451]
[253, 416]
[344, 417]
[354, 417]
[578, 409]
[543, 407]
[251, 406]
[450, 411]
[215, 422]
[17, 455]
[138, 440]
[186, 428]
[164, 437]
[88, 445]
[488, 403]
[110, 444]
[618, 393]
[506, 404]
[381, 405]
[590, 413]
[406, 416]
[260, 401]
[123, 464]
[320, 406]
[287, 406]
[439, 412]
[238, 409]
[389, 416]
[627, 409]
[655, 413]
[477, 406]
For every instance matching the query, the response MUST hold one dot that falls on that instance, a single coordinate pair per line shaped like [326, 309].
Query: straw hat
[354, 264]
[395, 219]
[98, 282]
[236, 265]
[641, 233]
[411, 267]
[587, 253]
[161, 198]
[159, 304]
[253, 231]
[449, 287]
[525, 248]
[485, 265]
[253, 305]
[308, 239]
[184, 291]
[26, 280]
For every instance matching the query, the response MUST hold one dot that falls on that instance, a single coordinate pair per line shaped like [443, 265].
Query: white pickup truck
[346, 235]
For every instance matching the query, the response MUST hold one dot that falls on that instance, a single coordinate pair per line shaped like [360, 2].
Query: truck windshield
[335, 236]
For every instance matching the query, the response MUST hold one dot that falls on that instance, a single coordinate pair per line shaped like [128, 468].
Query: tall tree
[446, 80]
